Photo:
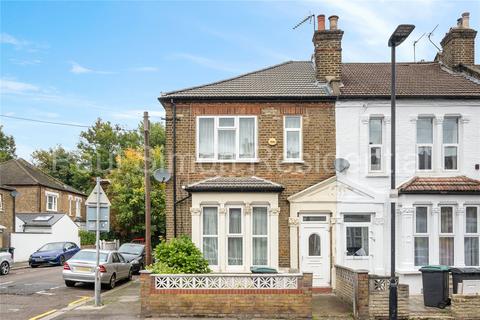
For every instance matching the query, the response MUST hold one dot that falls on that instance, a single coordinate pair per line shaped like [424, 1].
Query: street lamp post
[397, 37]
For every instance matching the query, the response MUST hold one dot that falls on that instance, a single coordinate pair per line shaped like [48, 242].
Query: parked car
[81, 268]
[53, 253]
[135, 254]
[6, 262]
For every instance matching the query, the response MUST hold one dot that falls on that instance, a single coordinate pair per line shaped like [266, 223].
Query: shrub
[86, 237]
[178, 255]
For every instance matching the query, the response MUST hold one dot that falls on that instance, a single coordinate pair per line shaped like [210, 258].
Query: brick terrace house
[255, 180]
[39, 192]
[6, 215]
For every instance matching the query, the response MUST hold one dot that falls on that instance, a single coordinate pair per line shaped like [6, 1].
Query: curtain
[314, 248]
[260, 236]
[210, 231]
[471, 220]
[425, 130]
[450, 130]
[471, 251]
[226, 144]
[210, 250]
[357, 241]
[235, 251]
[260, 251]
[421, 251]
[293, 144]
[292, 122]
[260, 221]
[424, 158]
[375, 158]
[446, 251]
[446, 220]
[450, 158]
[205, 138]
[247, 138]
[210, 221]
[375, 131]
[421, 220]
[235, 221]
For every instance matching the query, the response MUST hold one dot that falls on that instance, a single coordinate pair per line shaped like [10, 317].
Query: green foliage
[179, 255]
[7, 146]
[86, 237]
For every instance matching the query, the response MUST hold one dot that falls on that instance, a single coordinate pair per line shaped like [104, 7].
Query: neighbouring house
[33, 230]
[7, 208]
[255, 178]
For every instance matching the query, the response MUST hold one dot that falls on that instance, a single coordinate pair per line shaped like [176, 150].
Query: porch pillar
[273, 238]
[434, 246]
[459, 242]
[196, 223]
[294, 222]
[222, 245]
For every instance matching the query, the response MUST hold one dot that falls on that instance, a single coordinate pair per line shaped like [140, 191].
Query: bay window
[421, 250]
[450, 143]
[210, 234]
[375, 144]
[226, 138]
[447, 239]
[357, 234]
[260, 236]
[292, 138]
[472, 233]
[424, 143]
[235, 237]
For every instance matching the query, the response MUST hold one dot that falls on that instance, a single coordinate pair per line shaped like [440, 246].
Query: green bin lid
[262, 270]
[439, 268]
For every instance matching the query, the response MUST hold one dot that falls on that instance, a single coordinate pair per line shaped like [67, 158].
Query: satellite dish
[162, 175]
[341, 164]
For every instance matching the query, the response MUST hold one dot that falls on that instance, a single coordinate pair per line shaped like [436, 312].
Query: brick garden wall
[466, 307]
[238, 303]
[318, 149]
[379, 302]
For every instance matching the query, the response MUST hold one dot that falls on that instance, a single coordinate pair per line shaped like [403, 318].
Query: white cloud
[25, 62]
[145, 69]
[207, 62]
[8, 86]
[79, 69]
[6, 38]
[137, 114]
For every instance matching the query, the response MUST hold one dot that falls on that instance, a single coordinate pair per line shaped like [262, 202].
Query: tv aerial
[429, 35]
[309, 18]
[414, 44]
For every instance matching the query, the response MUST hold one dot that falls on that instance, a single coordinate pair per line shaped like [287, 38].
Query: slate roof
[235, 184]
[18, 172]
[424, 79]
[28, 219]
[289, 79]
[441, 185]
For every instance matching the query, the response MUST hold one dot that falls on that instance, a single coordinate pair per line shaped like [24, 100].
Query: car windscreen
[90, 256]
[54, 246]
[130, 248]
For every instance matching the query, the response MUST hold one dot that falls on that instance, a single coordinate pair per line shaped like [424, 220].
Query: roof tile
[460, 184]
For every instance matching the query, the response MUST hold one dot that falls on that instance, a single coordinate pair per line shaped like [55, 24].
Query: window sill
[228, 161]
[293, 161]
[377, 175]
[357, 257]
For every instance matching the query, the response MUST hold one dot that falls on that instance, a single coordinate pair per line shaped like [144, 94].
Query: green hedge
[86, 237]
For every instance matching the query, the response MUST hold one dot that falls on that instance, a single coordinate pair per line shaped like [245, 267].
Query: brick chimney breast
[328, 52]
[458, 45]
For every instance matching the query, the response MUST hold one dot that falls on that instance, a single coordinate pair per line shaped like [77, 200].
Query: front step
[426, 316]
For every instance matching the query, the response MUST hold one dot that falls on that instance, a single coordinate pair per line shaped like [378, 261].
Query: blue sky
[76, 61]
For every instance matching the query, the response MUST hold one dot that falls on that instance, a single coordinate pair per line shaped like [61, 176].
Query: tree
[127, 194]
[7, 146]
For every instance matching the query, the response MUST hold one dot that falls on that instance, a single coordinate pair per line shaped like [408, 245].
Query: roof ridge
[166, 94]
[20, 162]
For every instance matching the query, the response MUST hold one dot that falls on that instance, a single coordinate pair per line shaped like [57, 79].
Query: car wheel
[112, 282]
[61, 260]
[70, 283]
[4, 268]
[33, 265]
[130, 274]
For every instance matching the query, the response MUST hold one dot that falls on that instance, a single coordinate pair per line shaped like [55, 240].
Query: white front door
[315, 247]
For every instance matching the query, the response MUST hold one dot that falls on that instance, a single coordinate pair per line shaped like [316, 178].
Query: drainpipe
[174, 167]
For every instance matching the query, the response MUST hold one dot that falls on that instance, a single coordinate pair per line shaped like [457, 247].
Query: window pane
[205, 138]
[375, 131]
[314, 245]
[471, 220]
[260, 251]
[260, 220]
[235, 221]
[424, 158]
[425, 130]
[421, 220]
[375, 158]
[292, 122]
[210, 221]
[446, 251]
[226, 122]
[471, 251]
[356, 218]
[357, 241]
[235, 251]
[210, 250]
[446, 220]
[450, 158]
[247, 138]
[421, 251]
[315, 218]
[293, 144]
[226, 144]
[450, 130]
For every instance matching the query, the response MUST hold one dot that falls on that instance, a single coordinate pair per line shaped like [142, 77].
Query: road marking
[43, 314]
[45, 293]
[78, 301]
[4, 283]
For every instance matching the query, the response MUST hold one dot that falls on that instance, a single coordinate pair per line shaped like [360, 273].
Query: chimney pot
[321, 22]
[459, 23]
[466, 20]
[333, 22]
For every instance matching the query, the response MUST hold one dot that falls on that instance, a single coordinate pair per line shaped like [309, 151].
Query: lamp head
[400, 34]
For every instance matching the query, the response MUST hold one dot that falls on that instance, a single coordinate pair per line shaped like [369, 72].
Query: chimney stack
[328, 52]
[458, 44]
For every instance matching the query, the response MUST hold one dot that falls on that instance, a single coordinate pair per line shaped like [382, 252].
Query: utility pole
[148, 237]
[98, 302]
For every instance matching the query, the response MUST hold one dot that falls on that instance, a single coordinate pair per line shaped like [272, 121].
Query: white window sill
[228, 161]
[51, 210]
[357, 257]
[377, 175]
[293, 161]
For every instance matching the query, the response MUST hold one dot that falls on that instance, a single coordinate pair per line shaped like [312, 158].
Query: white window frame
[55, 196]
[202, 236]
[419, 145]
[285, 130]
[70, 198]
[358, 224]
[445, 234]
[421, 234]
[445, 145]
[471, 234]
[370, 146]
[229, 235]
[261, 236]
[78, 207]
[215, 138]
[1, 202]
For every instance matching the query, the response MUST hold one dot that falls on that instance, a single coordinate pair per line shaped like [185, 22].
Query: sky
[74, 62]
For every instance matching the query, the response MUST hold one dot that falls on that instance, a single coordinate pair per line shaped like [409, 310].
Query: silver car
[6, 262]
[81, 268]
